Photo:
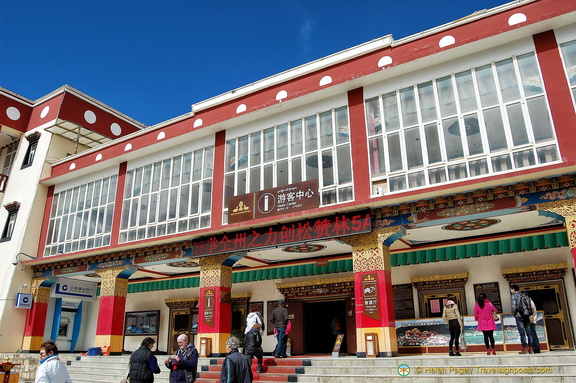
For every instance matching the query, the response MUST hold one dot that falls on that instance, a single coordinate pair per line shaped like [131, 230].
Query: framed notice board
[142, 322]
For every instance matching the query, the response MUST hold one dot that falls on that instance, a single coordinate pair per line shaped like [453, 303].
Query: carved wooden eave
[535, 273]
[240, 299]
[565, 181]
[113, 256]
[318, 288]
[182, 303]
[440, 282]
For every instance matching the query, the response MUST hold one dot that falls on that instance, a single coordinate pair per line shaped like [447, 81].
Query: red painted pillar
[215, 307]
[375, 318]
[36, 316]
[111, 313]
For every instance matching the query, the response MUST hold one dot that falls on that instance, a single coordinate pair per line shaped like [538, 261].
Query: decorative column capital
[375, 236]
[368, 251]
[41, 293]
[213, 273]
[565, 208]
[112, 285]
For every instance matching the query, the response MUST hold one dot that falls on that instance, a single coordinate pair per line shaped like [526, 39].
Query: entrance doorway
[323, 320]
[182, 321]
[550, 297]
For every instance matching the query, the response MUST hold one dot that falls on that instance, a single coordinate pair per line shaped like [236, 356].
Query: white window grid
[321, 150]
[569, 58]
[170, 196]
[530, 154]
[9, 158]
[81, 217]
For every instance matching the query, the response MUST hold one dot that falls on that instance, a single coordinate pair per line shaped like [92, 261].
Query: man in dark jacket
[237, 368]
[184, 363]
[253, 345]
[143, 364]
[522, 322]
[279, 320]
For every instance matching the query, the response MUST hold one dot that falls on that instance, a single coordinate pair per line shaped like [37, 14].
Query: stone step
[438, 379]
[470, 368]
[567, 370]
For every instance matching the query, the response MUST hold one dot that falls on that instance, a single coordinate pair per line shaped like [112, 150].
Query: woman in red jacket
[483, 315]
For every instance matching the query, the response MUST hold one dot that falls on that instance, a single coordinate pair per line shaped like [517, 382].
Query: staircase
[556, 366]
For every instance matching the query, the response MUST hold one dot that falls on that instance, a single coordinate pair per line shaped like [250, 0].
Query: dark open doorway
[322, 322]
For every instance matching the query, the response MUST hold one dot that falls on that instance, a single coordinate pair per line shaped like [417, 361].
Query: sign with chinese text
[280, 235]
[71, 288]
[271, 202]
[208, 314]
[370, 296]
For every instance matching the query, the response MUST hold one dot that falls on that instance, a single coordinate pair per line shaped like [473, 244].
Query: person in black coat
[253, 345]
[237, 368]
[143, 363]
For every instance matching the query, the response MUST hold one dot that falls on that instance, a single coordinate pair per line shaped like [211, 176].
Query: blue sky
[153, 59]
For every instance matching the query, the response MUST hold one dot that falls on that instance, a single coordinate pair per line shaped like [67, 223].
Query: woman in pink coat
[483, 315]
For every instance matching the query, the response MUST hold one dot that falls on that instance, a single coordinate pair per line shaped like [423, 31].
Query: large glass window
[170, 196]
[313, 147]
[81, 217]
[569, 56]
[488, 119]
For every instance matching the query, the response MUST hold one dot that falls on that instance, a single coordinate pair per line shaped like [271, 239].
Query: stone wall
[27, 365]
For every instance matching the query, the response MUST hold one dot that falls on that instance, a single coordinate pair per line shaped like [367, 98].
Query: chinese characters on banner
[370, 296]
[280, 235]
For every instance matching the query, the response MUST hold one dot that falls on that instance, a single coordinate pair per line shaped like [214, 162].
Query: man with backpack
[522, 309]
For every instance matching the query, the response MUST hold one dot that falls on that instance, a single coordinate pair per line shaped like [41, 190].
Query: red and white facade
[438, 163]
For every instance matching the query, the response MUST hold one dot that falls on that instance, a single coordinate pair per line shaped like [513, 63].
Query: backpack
[525, 306]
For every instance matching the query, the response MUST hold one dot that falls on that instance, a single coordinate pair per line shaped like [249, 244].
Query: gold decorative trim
[365, 241]
[433, 278]
[566, 208]
[314, 282]
[534, 268]
[179, 300]
[111, 285]
[242, 296]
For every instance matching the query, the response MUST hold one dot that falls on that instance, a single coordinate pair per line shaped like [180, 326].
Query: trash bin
[93, 351]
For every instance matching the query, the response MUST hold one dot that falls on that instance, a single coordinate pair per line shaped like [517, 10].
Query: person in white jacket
[254, 316]
[51, 369]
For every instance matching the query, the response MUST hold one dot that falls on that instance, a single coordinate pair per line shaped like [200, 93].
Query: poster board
[141, 322]
[427, 332]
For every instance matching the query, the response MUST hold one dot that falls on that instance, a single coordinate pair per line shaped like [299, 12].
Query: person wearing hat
[279, 320]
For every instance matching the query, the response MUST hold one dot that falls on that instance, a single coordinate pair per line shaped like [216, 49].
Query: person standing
[279, 320]
[452, 317]
[143, 363]
[51, 369]
[534, 342]
[237, 368]
[483, 315]
[254, 316]
[184, 363]
[253, 345]
[522, 322]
